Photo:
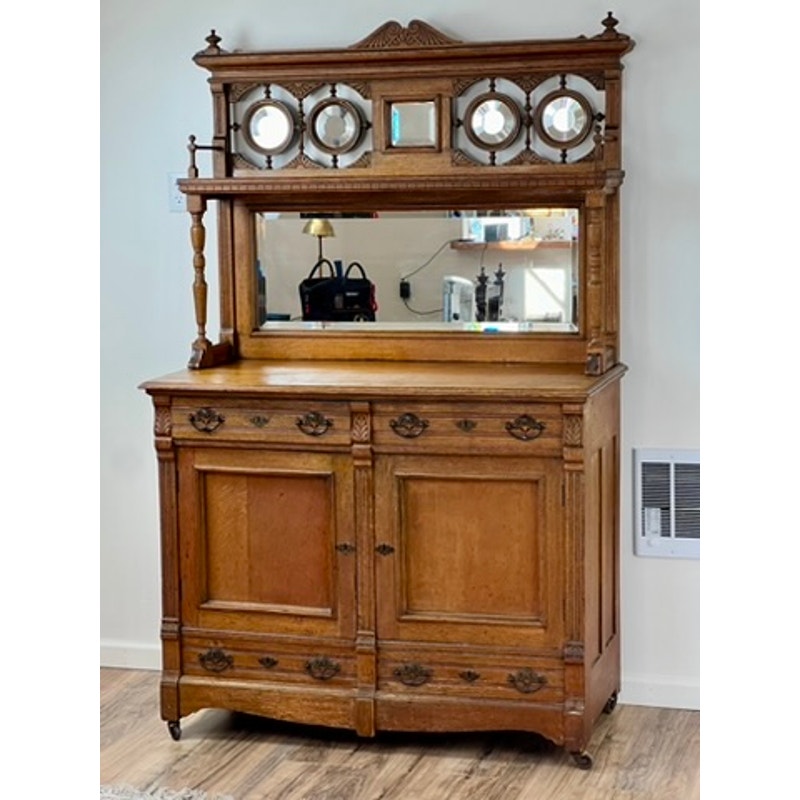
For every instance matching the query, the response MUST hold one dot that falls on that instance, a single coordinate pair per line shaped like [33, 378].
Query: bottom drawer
[477, 676]
[256, 659]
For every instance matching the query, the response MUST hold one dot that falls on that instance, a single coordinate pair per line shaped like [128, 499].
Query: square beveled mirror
[413, 124]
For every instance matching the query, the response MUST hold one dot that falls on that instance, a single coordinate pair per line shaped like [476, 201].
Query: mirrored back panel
[504, 271]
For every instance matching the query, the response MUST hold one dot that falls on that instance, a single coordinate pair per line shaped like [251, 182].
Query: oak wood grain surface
[372, 379]
[640, 754]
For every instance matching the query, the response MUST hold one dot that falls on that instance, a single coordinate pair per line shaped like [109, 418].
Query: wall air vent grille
[667, 503]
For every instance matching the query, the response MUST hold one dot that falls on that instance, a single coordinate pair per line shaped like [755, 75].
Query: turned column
[201, 345]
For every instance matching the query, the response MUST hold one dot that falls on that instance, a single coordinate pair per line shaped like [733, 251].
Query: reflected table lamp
[322, 229]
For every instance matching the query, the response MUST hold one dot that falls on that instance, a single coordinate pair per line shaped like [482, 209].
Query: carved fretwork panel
[299, 124]
[537, 80]
[514, 120]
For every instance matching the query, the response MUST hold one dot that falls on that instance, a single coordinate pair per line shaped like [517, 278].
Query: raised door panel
[470, 551]
[265, 542]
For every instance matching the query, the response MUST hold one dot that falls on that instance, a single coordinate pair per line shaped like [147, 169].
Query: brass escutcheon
[206, 420]
[527, 681]
[409, 426]
[413, 674]
[323, 668]
[525, 428]
[313, 423]
[215, 660]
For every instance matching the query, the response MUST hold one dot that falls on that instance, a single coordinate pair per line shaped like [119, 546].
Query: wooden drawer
[471, 675]
[469, 428]
[291, 422]
[252, 659]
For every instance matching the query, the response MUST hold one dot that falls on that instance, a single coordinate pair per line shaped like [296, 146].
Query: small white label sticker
[652, 522]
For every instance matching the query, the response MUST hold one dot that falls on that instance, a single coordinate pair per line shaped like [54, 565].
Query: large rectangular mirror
[490, 270]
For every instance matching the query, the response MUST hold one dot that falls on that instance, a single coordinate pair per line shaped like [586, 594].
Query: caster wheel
[174, 730]
[611, 704]
[582, 760]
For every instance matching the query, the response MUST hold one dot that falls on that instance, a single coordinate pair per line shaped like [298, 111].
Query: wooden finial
[610, 29]
[212, 42]
[609, 23]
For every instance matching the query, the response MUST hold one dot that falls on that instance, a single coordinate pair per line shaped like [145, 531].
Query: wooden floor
[642, 753]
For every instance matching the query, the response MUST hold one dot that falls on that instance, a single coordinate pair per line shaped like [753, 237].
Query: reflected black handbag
[337, 298]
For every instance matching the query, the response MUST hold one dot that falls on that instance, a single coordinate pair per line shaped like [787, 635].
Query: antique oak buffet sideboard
[395, 505]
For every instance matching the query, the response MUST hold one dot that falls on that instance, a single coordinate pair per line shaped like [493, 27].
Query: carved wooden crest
[393, 34]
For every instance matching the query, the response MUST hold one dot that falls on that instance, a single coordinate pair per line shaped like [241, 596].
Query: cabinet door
[265, 541]
[470, 550]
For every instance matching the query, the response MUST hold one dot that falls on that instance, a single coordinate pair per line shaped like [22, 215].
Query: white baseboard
[660, 691]
[129, 655]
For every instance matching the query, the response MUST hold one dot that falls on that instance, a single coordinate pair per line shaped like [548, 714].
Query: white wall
[153, 97]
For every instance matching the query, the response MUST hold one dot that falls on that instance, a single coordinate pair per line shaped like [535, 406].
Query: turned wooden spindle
[201, 344]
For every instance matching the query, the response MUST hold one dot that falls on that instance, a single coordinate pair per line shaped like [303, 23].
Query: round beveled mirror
[563, 118]
[269, 127]
[335, 126]
[492, 121]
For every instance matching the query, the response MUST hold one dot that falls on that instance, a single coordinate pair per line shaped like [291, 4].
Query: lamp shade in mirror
[322, 229]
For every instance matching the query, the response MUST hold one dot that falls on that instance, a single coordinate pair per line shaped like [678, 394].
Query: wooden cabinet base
[366, 573]
[340, 708]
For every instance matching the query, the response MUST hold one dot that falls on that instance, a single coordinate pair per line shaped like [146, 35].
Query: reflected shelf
[513, 244]
[501, 326]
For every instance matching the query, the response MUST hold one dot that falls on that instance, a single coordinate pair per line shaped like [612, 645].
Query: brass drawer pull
[313, 423]
[409, 426]
[346, 548]
[215, 660]
[413, 674]
[525, 428]
[384, 549]
[206, 420]
[527, 681]
[323, 669]
[268, 662]
[469, 675]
